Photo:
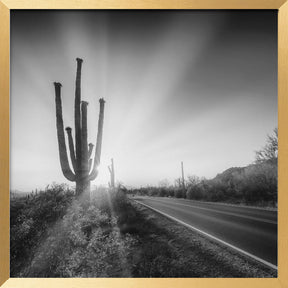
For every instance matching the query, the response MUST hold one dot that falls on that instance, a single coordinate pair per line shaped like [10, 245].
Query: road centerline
[223, 212]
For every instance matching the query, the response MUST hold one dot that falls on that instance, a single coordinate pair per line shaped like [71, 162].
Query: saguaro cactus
[83, 172]
[112, 174]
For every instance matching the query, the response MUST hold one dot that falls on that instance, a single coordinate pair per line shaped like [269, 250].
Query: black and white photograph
[143, 143]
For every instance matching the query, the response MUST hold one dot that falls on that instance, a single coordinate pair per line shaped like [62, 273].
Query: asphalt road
[251, 230]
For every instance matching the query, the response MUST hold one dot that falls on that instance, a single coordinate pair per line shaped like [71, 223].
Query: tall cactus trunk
[80, 155]
[77, 115]
[83, 190]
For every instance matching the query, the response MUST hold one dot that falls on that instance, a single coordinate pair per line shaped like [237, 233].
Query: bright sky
[197, 87]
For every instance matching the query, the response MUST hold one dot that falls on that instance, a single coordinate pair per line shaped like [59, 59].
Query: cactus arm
[67, 172]
[78, 114]
[90, 165]
[71, 148]
[109, 169]
[84, 143]
[94, 171]
[90, 150]
[93, 174]
[99, 134]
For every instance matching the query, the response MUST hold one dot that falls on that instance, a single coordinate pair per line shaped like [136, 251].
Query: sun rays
[160, 107]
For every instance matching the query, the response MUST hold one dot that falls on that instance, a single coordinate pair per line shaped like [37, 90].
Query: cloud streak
[192, 86]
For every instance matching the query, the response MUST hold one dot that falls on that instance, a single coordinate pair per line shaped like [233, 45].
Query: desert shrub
[108, 200]
[88, 242]
[28, 223]
[259, 184]
[179, 193]
[217, 191]
[254, 184]
[151, 191]
[163, 192]
[194, 192]
[101, 256]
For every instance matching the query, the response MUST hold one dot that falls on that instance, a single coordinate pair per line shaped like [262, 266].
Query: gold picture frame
[282, 279]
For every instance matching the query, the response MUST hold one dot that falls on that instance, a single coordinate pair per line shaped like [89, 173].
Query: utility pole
[183, 180]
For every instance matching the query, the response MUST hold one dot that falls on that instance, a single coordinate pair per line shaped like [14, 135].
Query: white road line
[221, 212]
[212, 237]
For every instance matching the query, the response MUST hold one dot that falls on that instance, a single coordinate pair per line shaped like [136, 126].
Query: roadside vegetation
[54, 235]
[252, 185]
[255, 184]
[30, 218]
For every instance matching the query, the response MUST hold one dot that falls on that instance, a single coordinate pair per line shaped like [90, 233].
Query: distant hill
[230, 174]
[255, 184]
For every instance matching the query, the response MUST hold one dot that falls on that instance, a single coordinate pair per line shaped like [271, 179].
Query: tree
[177, 182]
[269, 153]
[193, 180]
